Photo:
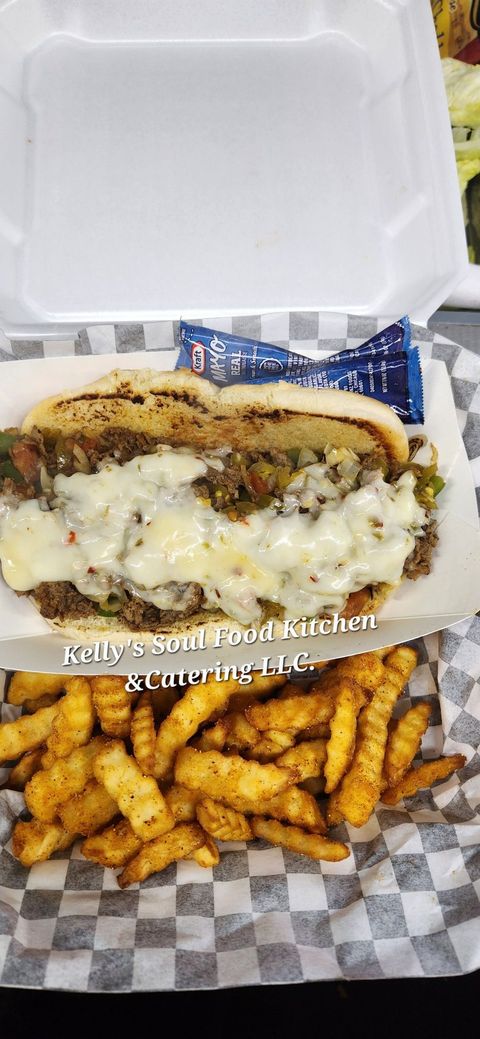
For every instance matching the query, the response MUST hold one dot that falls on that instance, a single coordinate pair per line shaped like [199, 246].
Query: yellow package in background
[457, 24]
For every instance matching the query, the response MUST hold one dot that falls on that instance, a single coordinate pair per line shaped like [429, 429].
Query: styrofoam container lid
[169, 157]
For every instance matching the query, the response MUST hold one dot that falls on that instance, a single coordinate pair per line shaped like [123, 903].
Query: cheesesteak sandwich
[153, 502]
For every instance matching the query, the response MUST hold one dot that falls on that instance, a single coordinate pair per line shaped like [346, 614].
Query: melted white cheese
[142, 524]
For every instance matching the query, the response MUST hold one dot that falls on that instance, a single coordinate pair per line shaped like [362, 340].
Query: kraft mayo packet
[386, 367]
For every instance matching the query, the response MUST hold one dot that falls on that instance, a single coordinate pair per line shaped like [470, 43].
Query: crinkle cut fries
[148, 780]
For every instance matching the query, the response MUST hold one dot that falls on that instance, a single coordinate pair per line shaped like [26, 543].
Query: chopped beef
[272, 455]
[221, 488]
[225, 487]
[120, 444]
[17, 490]
[26, 457]
[60, 600]
[419, 562]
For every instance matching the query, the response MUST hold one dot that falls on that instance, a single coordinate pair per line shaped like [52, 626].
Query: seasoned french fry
[239, 702]
[142, 733]
[137, 796]
[314, 732]
[30, 706]
[343, 727]
[308, 759]
[221, 777]
[113, 705]
[159, 853]
[365, 668]
[272, 743]
[361, 786]
[73, 723]
[114, 846]
[403, 742]
[25, 769]
[215, 737]
[240, 734]
[67, 776]
[262, 685]
[26, 733]
[382, 653]
[423, 776]
[245, 695]
[294, 805]
[222, 821]
[207, 856]
[291, 689]
[400, 663]
[198, 705]
[232, 730]
[27, 685]
[162, 701]
[293, 714]
[182, 803]
[89, 811]
[36, 841]
[294, 839]
[333, 681]
[334, 814]
[184, 719]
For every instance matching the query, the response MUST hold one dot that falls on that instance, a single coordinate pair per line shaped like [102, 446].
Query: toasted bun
[86, 629]
[180, 408]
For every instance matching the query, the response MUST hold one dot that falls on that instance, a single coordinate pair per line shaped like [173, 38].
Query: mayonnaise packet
[386, 367]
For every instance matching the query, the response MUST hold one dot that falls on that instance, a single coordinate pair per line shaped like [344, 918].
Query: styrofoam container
[448, 595]
[167, 157]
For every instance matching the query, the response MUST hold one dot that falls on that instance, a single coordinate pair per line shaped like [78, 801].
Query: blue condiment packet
[386, 367]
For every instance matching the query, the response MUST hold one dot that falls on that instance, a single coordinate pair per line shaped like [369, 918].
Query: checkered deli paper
[405, 903]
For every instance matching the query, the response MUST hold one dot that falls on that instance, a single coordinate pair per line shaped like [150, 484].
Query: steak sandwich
[154, 502]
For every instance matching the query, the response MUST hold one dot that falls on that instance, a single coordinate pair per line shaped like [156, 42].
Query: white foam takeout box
[169, 158]
[449, 594]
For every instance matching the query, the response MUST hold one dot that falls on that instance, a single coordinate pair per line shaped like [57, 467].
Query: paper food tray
[448, 594]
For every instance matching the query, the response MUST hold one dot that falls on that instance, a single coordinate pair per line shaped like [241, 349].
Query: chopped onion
[290, 503]
[299, 481]
[307, 499]
[306, 457]
[80, 462]
[46, 481]
[327, 489]
[317, 471]
[335, 455]
[349, 469]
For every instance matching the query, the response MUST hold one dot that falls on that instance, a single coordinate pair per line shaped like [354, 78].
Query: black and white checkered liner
[406, 902]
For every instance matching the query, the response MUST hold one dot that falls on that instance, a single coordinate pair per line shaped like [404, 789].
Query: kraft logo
[198, 358]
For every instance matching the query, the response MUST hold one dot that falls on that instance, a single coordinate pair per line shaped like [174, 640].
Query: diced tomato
[260, 486]
[356, 602]
[71, 537]
[26, 459]
[88, 443]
